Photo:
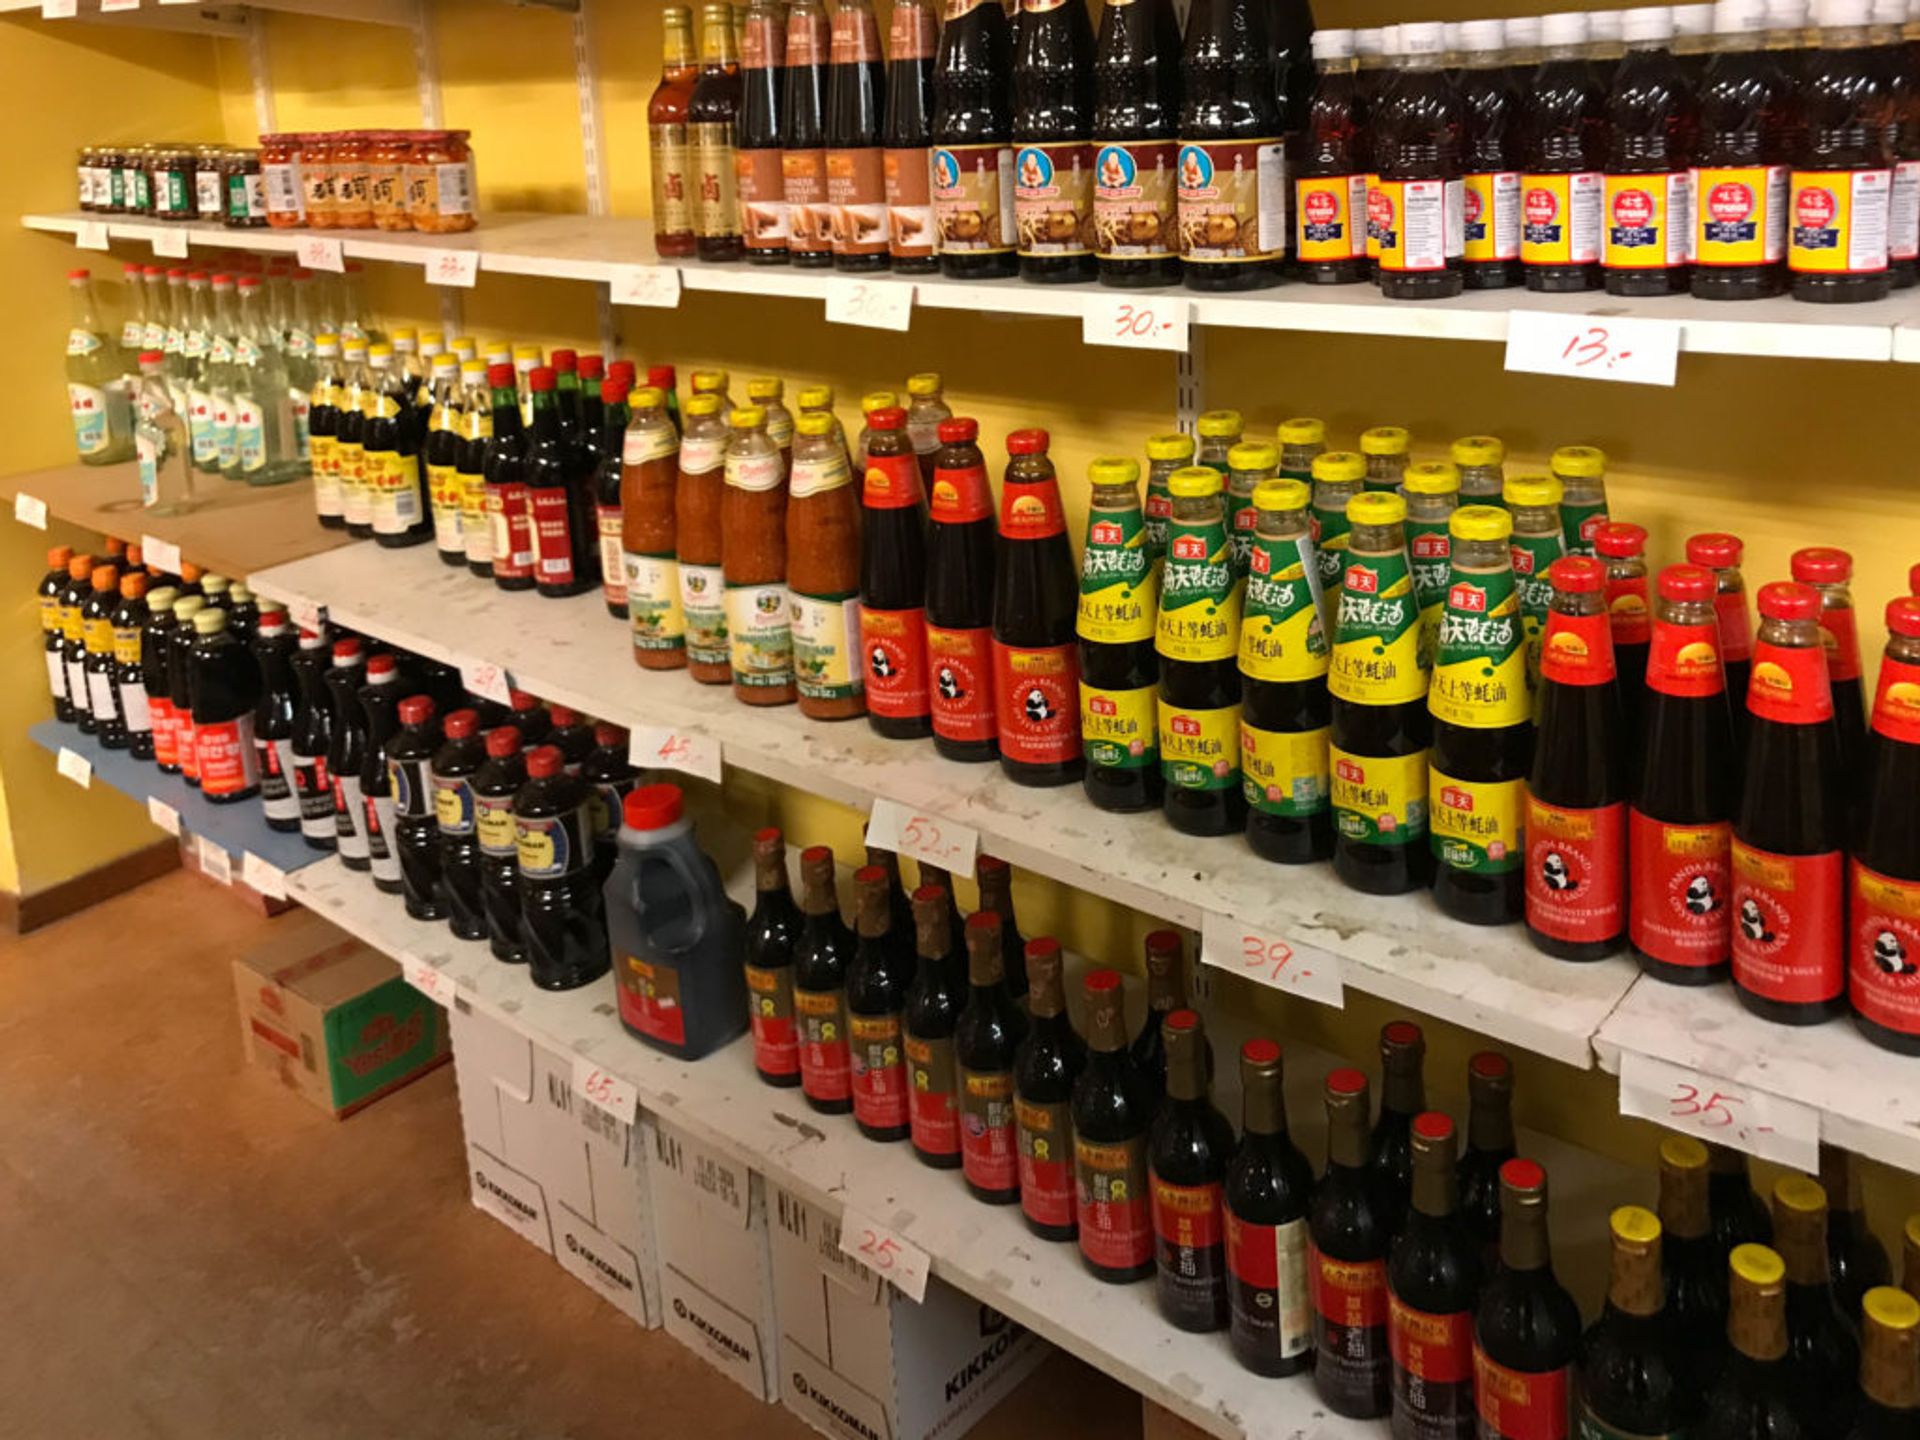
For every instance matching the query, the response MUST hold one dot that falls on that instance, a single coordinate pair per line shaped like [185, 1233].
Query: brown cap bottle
[1263, 1096]
[1166, 983]
[1635, 1286]
[769, 861]
[1523, 1215]
[933, 874]
[1186, 1041]
[872, 884]
[1046, 990]
[995, 878]
[1349, 1115]
[1890, 1348]
[1910, 1256]
[931, 931]
[984, 968]
[1106, 1020]
[1435, 1191]
[1839, 1178]
[1490, 1101]
[1757, 1303]
[816, 880]
[889, 862]
[1800, 1228]
[1684, 1211]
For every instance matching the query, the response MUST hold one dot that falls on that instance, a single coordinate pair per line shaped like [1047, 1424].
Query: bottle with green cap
[1631, 1380]
[1752, 1392]
[1582, 473]
[1165, 454]
[1481, 461]
[1385, 447]
[1377, 751]
[1432, 489]
[1284, 706]
[1538, 541]
[1119, 671]
[1248, 463]
[1338, 476]
[1219, 432]
[1301, 440]
[1197, 637]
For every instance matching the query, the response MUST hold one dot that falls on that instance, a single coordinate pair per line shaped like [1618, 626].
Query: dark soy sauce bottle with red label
[1052, 130]
[451, 773]
[224, 683]
[1166, 993]
[1188, 1150]
[1883, 941]
[560, 904]
[1136, 104]
[773, 934]
[994, 876]
[1526, 1333]
[1829, 572]
[1350, 1224]
[1111, 1113]
[1433, 1279]
[1788, 892]
[893, 581]
[960, 574]
[1720, 553]
[1036, 662]
[984, 1040]
[1266, 1191]
[877, 981]
[1577, 796]
[1489, 1146]
[1403, 1095]
[496, 785]
[1045, 1066]
[934, 1000]
[415, 835]
[820, 963]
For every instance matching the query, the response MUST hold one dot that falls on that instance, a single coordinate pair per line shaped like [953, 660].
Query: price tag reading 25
[891, 1256]
[1271, 959]
[1157, 322]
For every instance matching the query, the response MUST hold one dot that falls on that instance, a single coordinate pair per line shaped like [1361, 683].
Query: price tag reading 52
[946, 843]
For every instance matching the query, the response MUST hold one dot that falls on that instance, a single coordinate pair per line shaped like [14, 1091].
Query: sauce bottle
[893, 582]
[699, 501]
[972, 159]
[1884, 870]
[994, 877]
[960, 584]
[1539, 539]
[1265, 1192]
[476, 430]
[50, 593]
[396, 499]
[561, 909]
[224, 684]
[984, 1039]
[877, 980]
[346, 749]
[1822, 1343]
[1903, 205]
[415, 833]
[1046, 1064]
[450, 772]
[323, 419]
[1889, 1339]
[1622, 549]
[1285, 710]
[612, 777]
[1136, 105]
[760, 141]
[1403, 1095]
[496, 787]
[1828, 572]
[1188, 1148]
[1740, 176]
[1166, 993]
[1219, 432]
[179, 690]
[1231, 182]
[1338, 476]
[1489, 1146]
[913, 36]
[713, 113]
[1753, 1389]
[668, 141]
[1036, 666]
[440, 453]
[1302, 441]
[926, 410]
[934, 1001]
[753, 519]
[803, 130]
[1856, 1261]
[1330, 185]
[772, 937]
[823, 574]
[820, 963]
[1692, 1263]
[1165, 454]
[1432, 489]
[608, 467]
[1721, 553]
[1630, 1377]
[1840, 189]
[1492, 115]
[1480, 461]
[1197, 638]
[1380, 726]
[649, 502]
[1248, 463]
[1419, 205]
[1739, 1214]
[1482, 738]
[1052, 131]
[1562, 188]
[504, 473]
[1576, 822]
[1527, 1330]
[129, 621]
[1788, 896]
[312, 736]
[856, 161]
[1119, 671]
[96, 664]
[1111, 1114]
[379, 701]
[1433, 1279]
[1582, 473]
[1652, 126]
[566, 544]
[1349, 1222]
[870, 402]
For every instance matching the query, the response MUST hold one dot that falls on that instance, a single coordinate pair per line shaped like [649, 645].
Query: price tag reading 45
[606, 1090]
[1712, 1108]
[1270, 959]
[946, 843]
[891, 1256]
[1149, 323]
[658, 747]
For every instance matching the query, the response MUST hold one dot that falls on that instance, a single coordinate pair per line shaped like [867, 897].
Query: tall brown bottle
[758, 138]
[712, 116]
[1110, 1118]
[803, 126]
[972, 157]
[1052, 128]
[912, 37]
[669, 145]
[856, 168]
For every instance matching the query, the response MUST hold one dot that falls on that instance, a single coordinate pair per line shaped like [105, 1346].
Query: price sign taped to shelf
[307, 615]
[59, 9]
[1270, 959]
[453, 267]
[1150, 323]
[30, 510]
[163, 815]
[107, 7]
[318, 252]
[932, 838]
[1638, 352]
[660, 747]
[487, 680]
[657, 286]
[265, 879]
[1712, 1108]
[92, 234]
[886, 1252]
[435, 984]
[602, 1088]
[163, 553]
[75, 766]
[877, 304]
[168, 244]
[215, 863]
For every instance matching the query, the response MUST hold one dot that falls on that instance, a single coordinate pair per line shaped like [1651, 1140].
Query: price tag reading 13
[1713, 1108]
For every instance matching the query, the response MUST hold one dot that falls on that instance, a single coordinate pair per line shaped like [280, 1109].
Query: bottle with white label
[1562, 188]
[223, 373]
[161, 443]
[266, 447]
[96, 385]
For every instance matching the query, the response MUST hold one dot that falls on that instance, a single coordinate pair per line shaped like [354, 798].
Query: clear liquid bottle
[160, 441]
[1491, 109]
[266, 445]
[1330, 184]
[96, 386]
[222, 374]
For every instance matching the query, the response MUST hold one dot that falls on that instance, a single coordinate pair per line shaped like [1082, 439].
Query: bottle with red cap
[675, 937]
[985, 1038]
[877, 980]
[1526, 1333]
[772, 935]
[312, 736]
[572, 736]
[379, 701]
[1883, 943]
[415, 832]
[1046, 1064]
[960, 571]
[346, 749]
[496, 788]
[1622, 548]
[225, 685]
[1828, 571]
[526, 714]
[1350, 1221]
[1188, 1149]
[1433, 1280]
[893, 581]
[1266, 1191]
[561, 913]
[1112, 1110]
[934, 1000]
[503, 471]
[273, 715]
[451, 773]
[566, 547]
[612, 775]
[609, 466]
[1720, 553]
[1788, 834]
[1576, 827]
[1036, 662]
[820, 961]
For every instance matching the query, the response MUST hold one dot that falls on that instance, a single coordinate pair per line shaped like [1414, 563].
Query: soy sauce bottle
[379, 701]
[856, 168]
[1433, 1279]
[1036, 665]
[1828, 572]
[1197, 638]
[1739, 1214]
[1856, 1262]
[1119, 600]
[1526, 1333]
[1046, 1064]
[1231, 181]
[820, 962]
[1166, 993]
[1562, 187]
[1136, 107]
[1883, 943]
[984, 1040]
[877, 980]
[1416, 134]
[760, 137]
[1189, 1147]
[1622, 548]
[1889, 1388]
[1788, 896]
[1721, 553]
[772, 936]
[224, 684]
[273, 716]
[1266, 1191]
[713, 115]
[1351, 1230]
[1489, 1146]
[1403, 1095]
[972, 136]
[561, 909]
[1652, 125]
[415, 836]
[1111, 1113]
[960, 576]
[1842, 178]
[496, 786]
[934, 1000]
[1753, 1391]
[1821, 1342]
[1631, 1379]
[893, 581]
[1740, 180]
[345, 753]
[1693, 1264]
[1493, 113]
[312, 729]
[461, 754]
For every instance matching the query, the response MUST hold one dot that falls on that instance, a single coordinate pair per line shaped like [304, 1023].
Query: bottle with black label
[1433, 1279]
[1049, 1059]
[1631, 1380]
[1403, 1095]
[934, 1000]
[496, 785]
[877, 980]
[415, 833]
[1266, 1191]
[379, 701]
[1351, 1236]
[1110, 1118]
[560, 906]
[461, 754]
[1527, 1332]
[273, 717]
[984, 1039]
[1489, 1146]
[773, 934]
[820, 988]
[1822, 1344]
[1188, 1149]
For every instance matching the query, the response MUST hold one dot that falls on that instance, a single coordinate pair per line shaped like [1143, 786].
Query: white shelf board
[199, 17]
[1400, 948]
[578, 247]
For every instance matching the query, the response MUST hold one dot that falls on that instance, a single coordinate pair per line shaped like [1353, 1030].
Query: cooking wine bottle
[1111, 1113]
[1267, 1189]
[1188, 1149]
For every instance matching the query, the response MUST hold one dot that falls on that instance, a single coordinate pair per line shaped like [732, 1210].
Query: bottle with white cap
[1420, 210]
[1562, 190]
[1840, 198]
[1692, 38]
[1231, 195]
[1491, 112]
[1902, 64]
[1788, 34]
[1523, 45]
[1606, 44]
[1652, 122]
[1330, 185]
[1740, 165]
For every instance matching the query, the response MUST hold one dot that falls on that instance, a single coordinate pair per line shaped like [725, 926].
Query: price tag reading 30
[890, 1255]
[1712, 1108]
[604, 1089]
[930, 838]
[1153, 323]
[1270, 959]
[659, 747]
[877, 304]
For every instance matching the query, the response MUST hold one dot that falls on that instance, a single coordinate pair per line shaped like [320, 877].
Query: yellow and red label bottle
[1839, 204]
[1647, 222]
[1883, 937]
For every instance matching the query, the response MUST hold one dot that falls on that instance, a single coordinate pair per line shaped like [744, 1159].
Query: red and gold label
[989, 1144]
[960, 496]
[649, 1000]
[893, 649]
[1576, 871]
[1896, 702]
[1684, 660]
[891, 482]
[1046, 1161]
[961, 663]
[1739, 215]
[879, 1071]
[1679, 905]
[934, 1106]
[1647, 221]
[228, 761]
[1560, 218]
[1789, 684]
[1111, 1191]
[1787, 924]
[1628, 610]
[1883, 965]
[1520, 1404]
[1578, 649]
[1350, 1304]
[1037, 699]
[1432, 1368]
[776, 1043]
[826, 1066]
[1330, 217]
[1031, 510]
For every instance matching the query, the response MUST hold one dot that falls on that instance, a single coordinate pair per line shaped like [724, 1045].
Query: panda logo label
[1700, 899]
[1039, 711]
[1753, 924]
[1553, 870]
[1890, 956]
[882, 666]
[950, 684]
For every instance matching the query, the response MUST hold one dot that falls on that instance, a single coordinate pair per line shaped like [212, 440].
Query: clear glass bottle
[161, 443]
[1481, 461]
[96, 385]
[221, 375]
[266, 447]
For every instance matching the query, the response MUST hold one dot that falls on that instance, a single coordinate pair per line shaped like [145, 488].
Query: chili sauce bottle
[960, 583]
[856, 161]
[1840, 188]
[1166, 993]
[1403, 1095]
[1338, 476]
[893, 582]
[1827, 571]
[1119, 669]
[973, 158]
[1562, 188]
[450, 773]
[1351, 1235]
[1652, 125]
[1788, 896]
[984, 1040]
[1693, 1263]
[1433, 1278]
[1166, 454]
[1036, 664]
[1418, 207]
[1822, 1343]
[913, 36]
[1856, 1261]
[1685, 792]
[1538, 540]
[1622, 549]
[1432, 490]
[1883, 941]
[877, 980]
[1381, 729]
[1046, 1063]
[1197, 637]
[1111, 1113]
[1231, 197]
[1752, 1391]
[753, 519]
[1489, 1146]
[1285, 711]
[1740, 176]
[1053, 131]
[1266, 1191]
[933, 1011]
[820, 962]
[713, 114]
[1631, 1379]
[1330, 182]
[772, 937]
[803, 132]
[1527, 1331]
[1136, 110]
[1720, 553]
[1492, 114]
[699, 498]
[1249, 462]
[1188, 1149]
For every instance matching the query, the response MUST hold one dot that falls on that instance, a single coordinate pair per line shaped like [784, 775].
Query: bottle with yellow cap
[1752, 1392]
[1248, 463]
[352, 399]
[926, 408]
[1301, 440]
[1119, 671]
[1821, 1342]
[873, 400]
[1219, 432]
[767, 391]
[224, 682]
[1385, 447]
[1889, 1365]
[753, 519]
[1526, 1334]
[649, 479]
[396, 496]
[1433, 494]
[1582, 473]
[1481, 461]
[1482, 735]
[818, 398]
[441, 453]
[1285, 710]
[1538, 541]
[697, 500]
[1380, 726]
[1856, 1261]
[525, 357]
[715, 382]
[1338, 476]
[470, 458]
[1631, 1380]
[1198, 637]
[1165, 454]
[1692, 1262]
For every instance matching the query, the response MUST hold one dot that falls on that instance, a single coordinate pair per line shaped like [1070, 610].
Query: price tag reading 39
[1712, 1108]
[604, 1089]
[1270, 959]
[929, 838]
[435, 984]
[1155, 323]
[487, 680]
[660, 747]
[890, 1255]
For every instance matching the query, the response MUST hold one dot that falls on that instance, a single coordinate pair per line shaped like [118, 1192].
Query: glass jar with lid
[440, 188]
[286, 196]
[387, 152]
[244, 188]
[171, 172]
[209, 183]
[316, 175]
[352, 185]
[85, 161]
[139, 170]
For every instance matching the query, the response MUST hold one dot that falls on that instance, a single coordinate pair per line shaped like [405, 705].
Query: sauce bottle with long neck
[960, 581]
[1889, 1364]
[1338, 476]
[379, 701]
[1119, 593]
[698, 500]
[470, 458]
[1489, 1146]
[608, 466]
[1856, 1261]
[1539, 539]
[1166, 993]
[877, 981]
[972, 159]
[1330, 185]
[934, 1001]
[503, 472]
[1111, 1113]
[1432, 490]
[1740, 176]
[559, 501]
[1739, 1214]
[1036, 664]
[1136, 105]
[1883, 941]
[1721, 553]
[823, 574]
[1417, 208]
[1433, 1279]
[1197, 638]
[649, 501]
[1562, 188]
[760, 140]
[713, 115]
[772, 935]
[856, 158]
[1188, 1149]
[1828, 571]
[820, 963]
[803, 129]
[913, 36]
[1266, 1191]
[1527, 1331]
[994, 877]
[129, 679]
[1622, 548]
[1052, 130]
[1822, 1343]
[1231, 180]
[668, 142]
[1631, 1379]
[1752, 1391]
[496, 787]
[1049, 1059]
[1492, 112]
[753, 522]
[984, 1039]
[893, 582]
[1403, 1095]
[414, 836]
[1693, 1264]
[1348, 1262]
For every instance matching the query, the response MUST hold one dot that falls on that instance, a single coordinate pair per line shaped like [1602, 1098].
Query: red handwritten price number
[1272, 960]
[656, 286]
[1623, 348]
[659, 747]
[1265, 957]
[1158, 323]
[943, 843]
[317, 252]
[878, 305]
[1594, 347]
[453, 267]
[487, 680]
[606, 1090]
[893, 1257]
[430, 981]
[1710, 1107]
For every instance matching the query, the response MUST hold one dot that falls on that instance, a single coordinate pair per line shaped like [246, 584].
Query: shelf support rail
[593, 147]
[426, 70]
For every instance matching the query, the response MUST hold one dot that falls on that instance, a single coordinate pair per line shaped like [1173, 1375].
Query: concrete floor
[186, 1250]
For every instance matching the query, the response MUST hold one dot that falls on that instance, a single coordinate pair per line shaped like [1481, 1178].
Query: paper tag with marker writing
[268, 880]
[108, 7]
[932, 838]
[655, 285]
[215, 863]
[167, 244]
[890, 1255]
[1712, 1108]
[601, 1087]
[877, 304]
[660, 747]
[317, 252]
[307, 615]
[1639, 352]
[163, 815]
[1271, 959]
[76, 767]
[436, 985]
[92, 234]
[1158, 322]
[163, 553]
[453, 267]
[487, 680]
[30, 510]
[59, 10]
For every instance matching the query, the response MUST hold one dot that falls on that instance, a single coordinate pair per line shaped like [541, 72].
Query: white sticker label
[215, 863]
[938, 841]
[92, 234]
[30, 510]
[1638, 352]
[1270, 959]
[1158, 322]
[436, 985]
[601, 1087]
[655, 285]
[306, 614]
[163, 815]
[108, 7]
[487, 680]
[660, 747]
[877, 304]
[268, 880]
[167, 244]
[317, 252]
[76, 767]
[890, 1255]
[453, 267]
[1711, 1108]
[163, 553]
[59, 9]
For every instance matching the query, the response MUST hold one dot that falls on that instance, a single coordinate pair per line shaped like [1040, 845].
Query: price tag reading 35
[1270, 959]
[1155, 323]
[946, 843]
[606, 1090]
[1712, 1108]
[891, 1256]
[659, 747]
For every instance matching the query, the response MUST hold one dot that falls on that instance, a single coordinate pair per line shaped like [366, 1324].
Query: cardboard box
[716, 1270]
[332, 1017]
[860, 1361]
[559, 1172]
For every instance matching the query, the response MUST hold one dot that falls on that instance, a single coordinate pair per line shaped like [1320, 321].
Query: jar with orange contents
[316, 174]
[440, 188]
[352, 186]
[387, 152]
[286, 194]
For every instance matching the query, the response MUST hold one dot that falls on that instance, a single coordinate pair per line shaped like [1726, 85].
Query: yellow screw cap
[1757, 1265]
[1171, 446]
[1271, 496]
[648, 397]
[1890, 1308]
[1385, 440]
[921, 386]
[1376, 507]
[1432, 477]
[1303, 431]
[1339, 467]
[878, 400]
[814, 425]
[765, 387]
[1253, 455]
[1220, 424]
[1580, 462]
[1487, 523]
[1478, 450]
[815, 397]
[1636, 1225]
[1682, 1152]
[701, 405]
[1114, 470]
[714, 380]
[1797, 1192]
[747, 417]
[1195, 482]
[1532, 490]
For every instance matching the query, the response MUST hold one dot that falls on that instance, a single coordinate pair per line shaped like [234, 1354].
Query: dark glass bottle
[1267, 1189]
[960, 575]
[1885, 864]
[455, 812]
[1036, 664]
[379, 701]
[1189, 1147]
[877, 980]
[1842, 166]
[1433, 1278]
[913, 35]
[1562, 189]
[1740, 1216]
[1721, 553]
[608, 469]
[312, 729]
[561, 908]
[1330, 185]
[713, 115]
[496, 786]
[1403, 1095]
[1652, 126]
[566, 543]
[346, 751]
[1197, 638]
[1349, 1220]
[972, 160]
[1752, 1393]
[1231, 180]
[1693, 1263]
[994, 877]
[984, 1041]
[179, 693]
[893, 581]
[1527, 1332]
[1136, 109]
[759, 139]
[1415, 135]
[504, 474]
[1889, 1367]
[1119, 672]
[1052, 135]
[96, 666]
[820, 963]
[1166, 993]
[1822, 1343]
[1048, 1060]
[1622, 548]
[1493, 113]
[223, 683]
[856, 161]
[273, 717]
[803, 127]
[1856, 1261]
[397, 495]
[415, 836]
[1740, 168]
[1111, 1115]
[773, 935]
[1631, 1377]
[1829, 571]
[1489, 1146]
[934, 1001]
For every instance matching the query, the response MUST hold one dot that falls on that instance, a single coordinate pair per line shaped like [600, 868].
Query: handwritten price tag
[265, 879]
[92, 234]
[877, 304]
[938, 841]
[29, 510]
[306, 615]
[76, 767]
[436, 985]
[1159, 323]
[163, 815]
[1706, 1106]
[1270, 959]
[1639, 352]
[107, 7]
[658, 747]
[317, 252]
[167, 244]
[453, 267]
[487, 680]
[603, 1088]
[657, 286]
[163, 553]
[59, 9]
[891, 1256]
[215, 863]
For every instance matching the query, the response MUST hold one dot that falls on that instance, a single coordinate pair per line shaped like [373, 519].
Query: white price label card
[1589, 347]
[1270, 959]
[168, 244]
[890, 1255]
[163, 815]
[108, 7]
[30, 510]
[435, 984]
[453, 267]
[660, 747]
[657, 286]
[92, 234]
[487, 680]
[215, 863]
[59, 9]
[268, 880]
[1156, 322]
[317, 252]
[931, 838]
[76, 767]
[1712, 1108]
[306, 615]
[605, 1089]
[877, 304]
[163, 553]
